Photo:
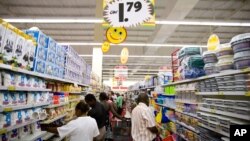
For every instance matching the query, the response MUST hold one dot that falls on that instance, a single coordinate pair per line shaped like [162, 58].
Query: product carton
[49, 68]
[3, 25]
[52, 45]
[32, 52]
[8, 44]
[18, 53]
[40, 37]
[51, 57]
[39, 65]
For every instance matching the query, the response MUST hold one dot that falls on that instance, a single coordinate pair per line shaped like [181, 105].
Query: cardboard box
[19, 46]
[9, 43]
[39, 65]
[2, 35]
[32, 52]
[40, 37]
[52, 45]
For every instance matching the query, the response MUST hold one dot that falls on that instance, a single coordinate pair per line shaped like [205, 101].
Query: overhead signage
[128, 13]
[116, 35]
[121, 72]
[213, 42]
[105, 47]
[124, 55]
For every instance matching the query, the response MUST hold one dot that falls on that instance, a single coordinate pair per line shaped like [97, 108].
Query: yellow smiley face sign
[124, 55]
[213, 42]
[105, 47]
[116, 35]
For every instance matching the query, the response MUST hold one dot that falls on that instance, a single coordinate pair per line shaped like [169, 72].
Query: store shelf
[47, 136]
[74, 100]
[188, 114]
[215, 130]
[165, 106]
[229, 114]
[15, 88]
[48, 77]
[223, 73]
[19, 107]
[33, 137]
[5, 130]
[187, 126]
[182, 136]
[57, 105]
[52, 120]
[186, 102]
[227, 93]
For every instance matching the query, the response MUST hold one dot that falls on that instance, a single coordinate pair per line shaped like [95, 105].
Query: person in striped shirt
[143, 121]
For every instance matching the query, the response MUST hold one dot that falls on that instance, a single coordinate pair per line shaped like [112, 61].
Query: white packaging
[21, 80]
[26, 115]
[17, 117]
[13, 98]
[28, 81]
[8, 45]
[2, 35]
[26, 50]
[22, 98]
[13, 135]
[31, 98]
[9, 79]
[5, 120]
[32, 50]
[24, 131]
[4, 98]
[18, 52]
[35, 127]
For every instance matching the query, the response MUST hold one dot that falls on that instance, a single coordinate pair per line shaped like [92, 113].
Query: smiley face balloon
[116, 35]
[124, 55]
[105, 47]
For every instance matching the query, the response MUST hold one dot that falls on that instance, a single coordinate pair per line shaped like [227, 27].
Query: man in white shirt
[84, 128]
[143, 121]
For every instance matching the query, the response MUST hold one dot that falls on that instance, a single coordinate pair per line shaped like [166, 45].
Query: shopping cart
[121, 130]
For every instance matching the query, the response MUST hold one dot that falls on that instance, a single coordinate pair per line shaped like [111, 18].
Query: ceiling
[207, 10]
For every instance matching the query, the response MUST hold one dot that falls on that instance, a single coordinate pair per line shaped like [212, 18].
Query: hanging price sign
[127, 13]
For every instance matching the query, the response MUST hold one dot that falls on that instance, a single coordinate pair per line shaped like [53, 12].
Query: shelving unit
[14, 88]
[19, 107]
[55, 119]
[57, 105]
[34, 137]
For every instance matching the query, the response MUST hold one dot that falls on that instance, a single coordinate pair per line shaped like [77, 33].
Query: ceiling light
[131, 56]
[132, 44]
[95, 20]
[205, 23]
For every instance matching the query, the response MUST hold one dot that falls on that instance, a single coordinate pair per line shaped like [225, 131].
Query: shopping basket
[121, 130]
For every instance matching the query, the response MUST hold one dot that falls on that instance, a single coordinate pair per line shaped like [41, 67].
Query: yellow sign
[9, 109]
[105, 47]
[213, 42]
[11, 88]
[124, 55]
[116, 35]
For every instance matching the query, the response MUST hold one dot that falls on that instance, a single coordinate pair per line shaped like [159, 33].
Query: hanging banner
[213, 42]
[128, 13]
[116, 35]
[105, 47]
[124, 55]
[121, 72]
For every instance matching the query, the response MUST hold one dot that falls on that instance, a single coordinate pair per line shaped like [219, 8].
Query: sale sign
[121, 72]
[127, 13]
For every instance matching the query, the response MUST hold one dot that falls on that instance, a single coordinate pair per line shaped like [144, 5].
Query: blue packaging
[40, 37]
[52, 45]
[49, 68]
[39, 66]
[61, 72]
[41, 53]
[60, 50]
[51, 57]
[56, 71]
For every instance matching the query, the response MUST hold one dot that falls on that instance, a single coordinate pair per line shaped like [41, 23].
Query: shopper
[119, 104]
[110, 110]
[84, 127]
[113, 95]
[143, 122]
[97, 112]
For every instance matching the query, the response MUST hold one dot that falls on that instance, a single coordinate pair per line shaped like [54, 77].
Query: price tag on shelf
[8, 109]
[246, 70]
[247, 93]
[14, 68]
[213, 111]
[127, 13]
[221, 93]
[3, 131]
[11, 88]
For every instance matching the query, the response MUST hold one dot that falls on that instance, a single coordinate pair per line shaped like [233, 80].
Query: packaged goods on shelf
[225, 57]
[3, 26]
[210, 61]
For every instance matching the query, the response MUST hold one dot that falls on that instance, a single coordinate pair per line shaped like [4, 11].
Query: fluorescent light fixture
[96, 20]
[136, 69]
[204, 23]
[65, 20]
[132, 44]
[130, 56]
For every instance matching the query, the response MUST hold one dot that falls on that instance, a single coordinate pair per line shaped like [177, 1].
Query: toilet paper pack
[5, 120]
[19, 48]
[3, 25]
[21, 80]
[9, 78]
[4, 98]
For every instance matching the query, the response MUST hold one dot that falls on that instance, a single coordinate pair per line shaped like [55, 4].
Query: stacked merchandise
[191, 63]
[16, 47]
[24, 94]
[225, 57]
[241, 49]
[210, 61]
